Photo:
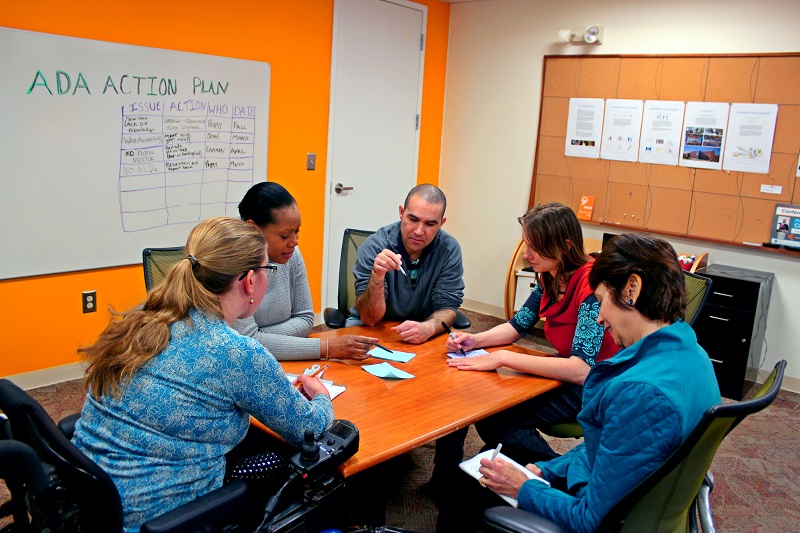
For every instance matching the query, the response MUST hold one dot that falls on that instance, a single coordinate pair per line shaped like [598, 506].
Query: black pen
[382, 347]
[452, 336]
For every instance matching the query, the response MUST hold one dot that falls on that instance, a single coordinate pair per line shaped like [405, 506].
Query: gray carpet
[756, 469]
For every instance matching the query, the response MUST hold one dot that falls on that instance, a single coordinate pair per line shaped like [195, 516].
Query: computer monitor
[607, 237]
[786, 226]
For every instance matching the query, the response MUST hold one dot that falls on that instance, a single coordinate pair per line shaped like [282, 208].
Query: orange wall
[41, 316]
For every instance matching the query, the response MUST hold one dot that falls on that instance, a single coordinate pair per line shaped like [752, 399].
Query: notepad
[385, 370]
[471, 353]
[333, 389]
[471, 466]
[394, 355]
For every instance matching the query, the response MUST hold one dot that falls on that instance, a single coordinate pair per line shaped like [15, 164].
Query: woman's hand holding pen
[458, 341]
[503, 477]
[310, 386]
[349, 347]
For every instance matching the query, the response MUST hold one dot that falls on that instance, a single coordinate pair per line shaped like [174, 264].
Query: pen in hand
[315, 374]
[384, 348]
[399, 266]
[496, 451]
[452, 336]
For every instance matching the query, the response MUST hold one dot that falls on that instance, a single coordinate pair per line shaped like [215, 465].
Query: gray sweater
[286, 314]
[439, 284]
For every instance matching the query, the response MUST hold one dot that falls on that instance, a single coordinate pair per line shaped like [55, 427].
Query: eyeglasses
[271, 268]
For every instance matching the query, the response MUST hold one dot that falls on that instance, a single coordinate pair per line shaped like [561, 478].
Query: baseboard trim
[788, 384]
[48, 376]
[481, 307]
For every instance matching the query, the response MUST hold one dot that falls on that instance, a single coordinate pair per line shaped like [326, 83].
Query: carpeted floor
[756, 470]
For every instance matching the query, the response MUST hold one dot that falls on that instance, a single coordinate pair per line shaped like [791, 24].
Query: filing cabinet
[732, 324]
[525, 284]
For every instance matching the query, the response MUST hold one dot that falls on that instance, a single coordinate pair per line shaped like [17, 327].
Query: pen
[452, 335]
[400, 267]
[382, 347]
[318, 372]
[496, 451]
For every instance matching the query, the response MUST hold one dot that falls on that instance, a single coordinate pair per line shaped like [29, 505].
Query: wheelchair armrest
[333, 318]
[505, 518]
[67, 424]
[192, 516]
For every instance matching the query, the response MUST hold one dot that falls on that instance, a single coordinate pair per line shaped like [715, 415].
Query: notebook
[471, 466]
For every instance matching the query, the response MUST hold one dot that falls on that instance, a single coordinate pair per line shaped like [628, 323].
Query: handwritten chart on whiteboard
[107, 149]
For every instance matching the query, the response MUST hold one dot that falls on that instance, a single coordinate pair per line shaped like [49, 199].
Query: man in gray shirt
[411, 270]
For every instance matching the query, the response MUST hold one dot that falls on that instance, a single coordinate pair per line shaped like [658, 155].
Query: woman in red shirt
[554, 248]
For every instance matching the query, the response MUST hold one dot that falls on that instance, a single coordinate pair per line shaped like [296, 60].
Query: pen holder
[686, 261]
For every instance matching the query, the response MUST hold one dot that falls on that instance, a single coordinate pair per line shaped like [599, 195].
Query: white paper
[751, 130]
[704, 128]
[584, 127]
[471, 466]
[333, 390]
[662, 123]
[621, 127]
[471, 353]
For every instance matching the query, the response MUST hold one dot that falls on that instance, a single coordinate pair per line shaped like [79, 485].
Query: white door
[376, 93]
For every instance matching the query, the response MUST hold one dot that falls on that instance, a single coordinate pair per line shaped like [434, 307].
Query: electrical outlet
[89, 301]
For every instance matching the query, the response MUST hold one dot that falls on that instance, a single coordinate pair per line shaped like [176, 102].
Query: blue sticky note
[394, 355]
[385, 370]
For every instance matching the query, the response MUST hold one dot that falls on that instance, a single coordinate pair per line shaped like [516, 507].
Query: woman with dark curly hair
[638, 406]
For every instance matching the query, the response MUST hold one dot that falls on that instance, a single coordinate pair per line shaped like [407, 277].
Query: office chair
[667, 499]
[697, 290]
[64, 490]
[335, 317]
[157, 261]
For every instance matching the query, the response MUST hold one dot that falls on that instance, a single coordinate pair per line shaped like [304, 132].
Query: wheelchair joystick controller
[309, 450]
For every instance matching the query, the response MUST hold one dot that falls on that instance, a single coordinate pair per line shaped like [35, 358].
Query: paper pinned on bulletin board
[586, 207]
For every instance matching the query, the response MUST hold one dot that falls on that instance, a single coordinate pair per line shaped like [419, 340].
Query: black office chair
[65, 491]
[157, 261]
[697, 290]
[666, 500]
[335, 317]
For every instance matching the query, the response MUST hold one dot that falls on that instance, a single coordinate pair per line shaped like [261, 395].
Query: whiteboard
[106, 149]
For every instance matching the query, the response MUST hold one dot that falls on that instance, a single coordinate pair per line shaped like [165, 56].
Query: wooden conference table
[394, 416]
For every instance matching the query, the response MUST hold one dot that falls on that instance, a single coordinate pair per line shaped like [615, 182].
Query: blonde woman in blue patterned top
[172, 385]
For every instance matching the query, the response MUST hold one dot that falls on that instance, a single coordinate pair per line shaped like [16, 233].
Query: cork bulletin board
[717, 205]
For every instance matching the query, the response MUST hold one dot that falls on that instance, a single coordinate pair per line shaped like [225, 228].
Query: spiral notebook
[471, 466]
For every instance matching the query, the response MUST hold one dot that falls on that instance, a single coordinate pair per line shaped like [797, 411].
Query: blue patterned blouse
[588, 334]
[163, 440]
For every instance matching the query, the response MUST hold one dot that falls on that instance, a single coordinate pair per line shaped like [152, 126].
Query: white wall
[494, 80]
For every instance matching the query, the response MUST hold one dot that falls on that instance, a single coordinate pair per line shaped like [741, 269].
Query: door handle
[339, 188]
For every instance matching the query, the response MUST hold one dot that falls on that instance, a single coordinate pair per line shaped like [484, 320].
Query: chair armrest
[67, 424]
[505, 518]
[461, 321]
[192, 516]
[333, 318]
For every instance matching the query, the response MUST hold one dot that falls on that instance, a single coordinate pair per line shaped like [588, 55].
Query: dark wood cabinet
[732, 324]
